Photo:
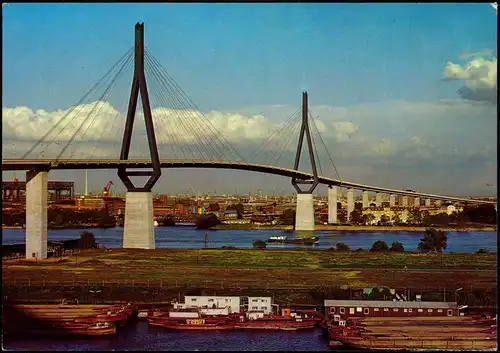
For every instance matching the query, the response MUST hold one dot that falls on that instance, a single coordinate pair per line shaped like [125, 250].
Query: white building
[260, 303]
[201, 301]
[216, 311]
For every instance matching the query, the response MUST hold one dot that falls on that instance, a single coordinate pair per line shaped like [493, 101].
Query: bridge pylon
[304, 216]
[138, 228]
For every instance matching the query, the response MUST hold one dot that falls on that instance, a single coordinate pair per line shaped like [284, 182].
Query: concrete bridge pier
[404, 201]
[332, 204]
[36, 214]
[304, 214]
[416, 202]
[378, 199]
[428, 202]
[138, 230]
[392, 200]
[350, 203]
[366, 201]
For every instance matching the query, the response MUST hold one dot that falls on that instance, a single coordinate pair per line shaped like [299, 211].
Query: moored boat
[281, 239]
[195, 324]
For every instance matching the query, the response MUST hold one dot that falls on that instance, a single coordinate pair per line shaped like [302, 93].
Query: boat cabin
[254, 314]
[343, 309]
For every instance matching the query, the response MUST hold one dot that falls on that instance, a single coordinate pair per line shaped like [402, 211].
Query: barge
[81, 320]
[282, 239]
[460, 333]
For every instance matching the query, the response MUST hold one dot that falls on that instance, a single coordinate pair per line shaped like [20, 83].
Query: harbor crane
[106, 189]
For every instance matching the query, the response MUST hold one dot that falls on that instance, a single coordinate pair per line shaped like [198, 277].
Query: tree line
[433, 241]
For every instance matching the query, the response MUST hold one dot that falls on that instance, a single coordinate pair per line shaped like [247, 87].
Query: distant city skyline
[404, 94]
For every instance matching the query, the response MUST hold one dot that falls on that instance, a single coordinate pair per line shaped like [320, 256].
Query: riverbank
[297, 276]
[354, 228]
[318, 227]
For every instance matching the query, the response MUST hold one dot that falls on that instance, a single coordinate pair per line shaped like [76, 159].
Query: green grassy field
[155, 274]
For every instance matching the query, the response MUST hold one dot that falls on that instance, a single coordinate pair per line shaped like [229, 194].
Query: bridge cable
[219, 134]
[193, 127]
[283, 141]
[176, 104]
[108, 129]
[161, 97]
[105, 93]
[186, 113]
[67, 124]
[288, 143]
[175, 101]
[314, 144]
[328, 153]
[76, 105]
[278, 132]
[285, 137]
[167, 102]
[163, 126]
[102, 104]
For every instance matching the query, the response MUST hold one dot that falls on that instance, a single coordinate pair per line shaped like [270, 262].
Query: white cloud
[422, 143]
[479, 76]
[343, 130]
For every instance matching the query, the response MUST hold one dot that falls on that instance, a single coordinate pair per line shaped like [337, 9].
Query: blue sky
[232, 57]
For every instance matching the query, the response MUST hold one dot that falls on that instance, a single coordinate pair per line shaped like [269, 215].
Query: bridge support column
[304, 214]
[392, 200]
[438, 203]
[416, 202]
[378, 199]
[138, 232]
[428, 202]
[36, 215]
[332, 204]
[366, 202]
[350, 203]
[404, 201]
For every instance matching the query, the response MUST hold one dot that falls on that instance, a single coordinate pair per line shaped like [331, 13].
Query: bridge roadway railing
[20, 164]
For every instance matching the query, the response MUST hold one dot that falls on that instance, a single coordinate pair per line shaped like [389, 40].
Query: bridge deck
[20, 164]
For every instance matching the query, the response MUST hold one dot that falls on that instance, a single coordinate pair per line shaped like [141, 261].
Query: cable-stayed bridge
[176, 134]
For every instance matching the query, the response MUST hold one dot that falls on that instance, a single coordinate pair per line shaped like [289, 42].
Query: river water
[139, 335]
[192, 238]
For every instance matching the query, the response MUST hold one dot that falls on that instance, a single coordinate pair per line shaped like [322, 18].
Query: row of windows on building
[228, 300]
[257, 308]
[367, 310]
[210, 300]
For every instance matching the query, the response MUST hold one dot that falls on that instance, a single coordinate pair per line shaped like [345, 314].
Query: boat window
[342, 310]
[263, 307]
[450, 312]
[386, 309]
[440, 310]
[255, 307]
[410, 310]
[376, 309]
[366, 310]
[228, 300]
[332, 310]
[405, 310]
[255, 300]
[395, 309]
[210, 300]
[358, 309]
[420, 310]
[429, 310]
[193, 299]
